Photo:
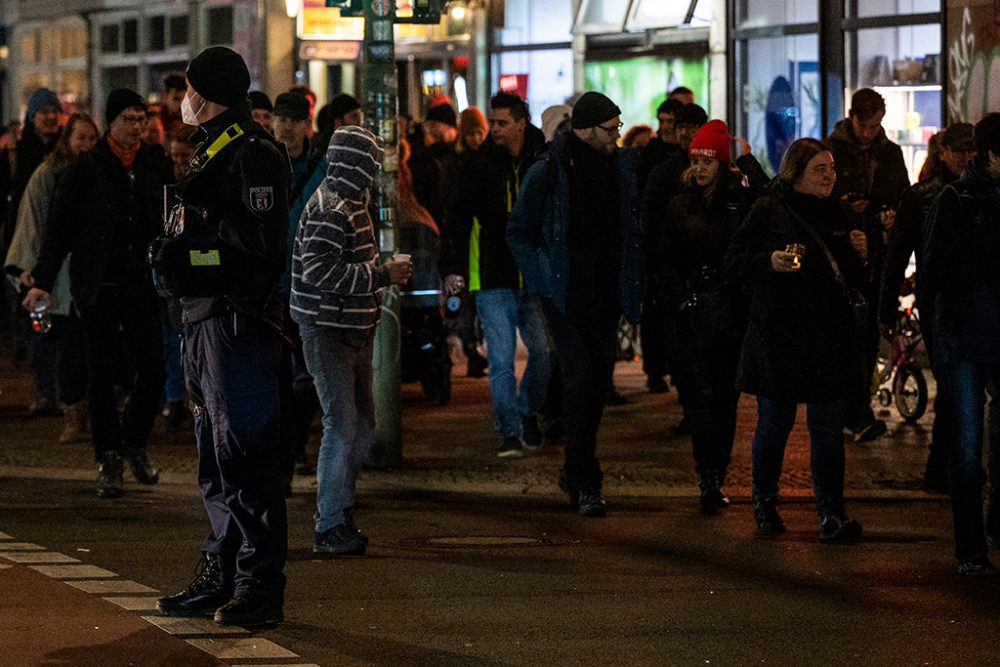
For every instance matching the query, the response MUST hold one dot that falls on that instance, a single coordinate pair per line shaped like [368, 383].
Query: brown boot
[76, 427]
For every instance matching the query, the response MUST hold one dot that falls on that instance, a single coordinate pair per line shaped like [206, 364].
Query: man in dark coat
[960, 275]
[106, 210]
[957, 148]
[871, 176]
[574, 234]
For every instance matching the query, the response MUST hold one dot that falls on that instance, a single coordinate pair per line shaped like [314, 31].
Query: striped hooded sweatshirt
[336, 273]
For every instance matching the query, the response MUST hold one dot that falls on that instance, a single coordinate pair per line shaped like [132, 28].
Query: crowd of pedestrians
[777, 288]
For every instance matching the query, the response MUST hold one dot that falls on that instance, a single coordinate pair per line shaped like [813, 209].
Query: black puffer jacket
[106, 219]
[799, 343]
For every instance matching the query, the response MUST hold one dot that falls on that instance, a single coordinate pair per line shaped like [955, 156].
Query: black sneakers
[142, 470]
[109, 476]
[340, 540]
[590, 504]
[511, 448]
[765, 515]
[976, 567]
[837, 527]
[712, 498]
[250, 611]
[531, 435]
[210, 590]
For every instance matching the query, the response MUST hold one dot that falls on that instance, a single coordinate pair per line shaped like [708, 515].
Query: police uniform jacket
[106, 216]
[238, 189]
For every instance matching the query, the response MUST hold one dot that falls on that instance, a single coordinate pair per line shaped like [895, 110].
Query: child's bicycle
[900, 378]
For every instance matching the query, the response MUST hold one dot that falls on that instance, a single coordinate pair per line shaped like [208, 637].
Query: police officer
[237, 190]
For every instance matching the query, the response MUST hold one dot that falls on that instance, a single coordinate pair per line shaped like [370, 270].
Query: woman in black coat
[801, 339]
[710, 320]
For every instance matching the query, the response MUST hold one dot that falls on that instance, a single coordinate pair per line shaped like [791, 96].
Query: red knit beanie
[712, 140]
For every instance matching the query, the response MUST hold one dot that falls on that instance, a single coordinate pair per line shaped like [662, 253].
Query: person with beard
[107, 209]
[957, 148]
[574, 234]
[802, 332]
[960, 276]
[871, 177]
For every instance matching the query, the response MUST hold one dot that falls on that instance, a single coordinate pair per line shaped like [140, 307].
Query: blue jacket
[536, 230]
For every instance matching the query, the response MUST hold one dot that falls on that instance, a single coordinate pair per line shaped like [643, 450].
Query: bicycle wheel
[910, 390]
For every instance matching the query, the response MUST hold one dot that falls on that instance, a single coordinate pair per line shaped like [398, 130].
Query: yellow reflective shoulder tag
[205, 258]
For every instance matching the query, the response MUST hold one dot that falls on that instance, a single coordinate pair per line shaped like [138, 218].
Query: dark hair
[518, 107]
[175, 81]
[670, 106]
[797, 156]
[680, 90]
[986, 136]
[866, 103]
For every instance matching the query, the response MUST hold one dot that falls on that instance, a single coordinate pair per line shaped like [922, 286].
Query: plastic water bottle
[41, 320]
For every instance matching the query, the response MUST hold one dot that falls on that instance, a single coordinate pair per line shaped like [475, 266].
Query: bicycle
[899, 378]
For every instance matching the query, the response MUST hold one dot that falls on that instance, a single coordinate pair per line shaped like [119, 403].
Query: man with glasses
[106, 211]
[957, 148]
[476, 257]
[574, 234]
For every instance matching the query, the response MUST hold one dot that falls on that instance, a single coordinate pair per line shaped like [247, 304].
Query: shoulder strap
[819, 241]
[304, 179]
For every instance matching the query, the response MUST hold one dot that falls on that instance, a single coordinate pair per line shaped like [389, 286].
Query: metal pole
[379, 100]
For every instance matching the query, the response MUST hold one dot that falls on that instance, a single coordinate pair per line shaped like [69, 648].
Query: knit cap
[119, 100]
[342, 104]
[260, 100]
[41, 98]
[690, 114]
[354, 157]
[593, 109]
[443, 113]
[220, 75]
[712, 140]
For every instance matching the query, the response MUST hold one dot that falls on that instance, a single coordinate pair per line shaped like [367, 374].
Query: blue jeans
[502, 313]
[342, 374]
[825, 421]
[965, 384]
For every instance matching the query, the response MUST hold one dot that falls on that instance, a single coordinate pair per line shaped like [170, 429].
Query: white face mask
[188, 114]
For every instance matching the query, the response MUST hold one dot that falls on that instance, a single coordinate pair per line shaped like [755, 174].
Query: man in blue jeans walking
[475, 246]
[960, 276]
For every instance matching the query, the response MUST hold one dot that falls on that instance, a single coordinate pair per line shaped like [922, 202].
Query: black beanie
[291, 105]
[593, 109]
[118, 101]
[259, 100]
[342, 104]
[670, 106]
[690, 114]
[443, 113]
[219, 75]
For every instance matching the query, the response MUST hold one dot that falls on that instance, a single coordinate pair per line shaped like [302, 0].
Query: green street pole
[379, 100]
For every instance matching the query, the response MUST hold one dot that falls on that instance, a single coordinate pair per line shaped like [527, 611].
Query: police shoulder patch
[262, 198]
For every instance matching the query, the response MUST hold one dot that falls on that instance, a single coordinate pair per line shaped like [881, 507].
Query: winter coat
[308, 171]
[687, 259]
[106, 216]
[32, 219]
[336, 273]
[800, 341]
[17, 164]
[960, 274]
[538, 225]
[241, 193]
[474, 233]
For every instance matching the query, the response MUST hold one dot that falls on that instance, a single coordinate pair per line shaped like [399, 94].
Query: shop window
[868, 8]
[220, 25]
[156, 36]
[779, 102]
[546, 74]
[30, 47]
[768, 13]
[527, 22]
[72, 43]
[179, 30]
[597, 16]
[110, 38]
[639, 85]
[130, 36]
